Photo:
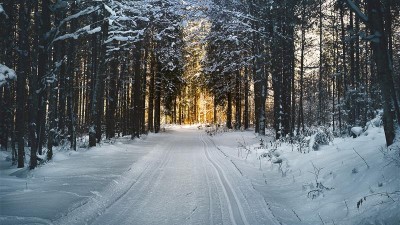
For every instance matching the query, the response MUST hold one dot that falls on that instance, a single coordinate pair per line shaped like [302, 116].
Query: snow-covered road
[186, 180]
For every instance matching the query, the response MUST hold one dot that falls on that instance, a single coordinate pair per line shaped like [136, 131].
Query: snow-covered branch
[6, 74]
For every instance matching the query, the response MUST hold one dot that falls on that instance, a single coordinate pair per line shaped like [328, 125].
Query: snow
[63, 184]
[2, 9]
[6, 75]
[356, 130]
[289, 186]
[184, 176]
[95, 30]
[78, 33]
[110, 10]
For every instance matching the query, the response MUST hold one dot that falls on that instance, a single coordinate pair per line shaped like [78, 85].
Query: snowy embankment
[349, 181]
[71, 179]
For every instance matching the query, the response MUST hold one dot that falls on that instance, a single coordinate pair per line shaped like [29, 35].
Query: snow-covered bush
[312, 138]
[322, 137]
[376, 122]
[302, 142]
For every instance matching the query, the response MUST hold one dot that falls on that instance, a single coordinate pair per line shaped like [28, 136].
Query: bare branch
[361, 158]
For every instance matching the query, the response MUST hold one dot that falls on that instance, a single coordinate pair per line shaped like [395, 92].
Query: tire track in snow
[235, 209]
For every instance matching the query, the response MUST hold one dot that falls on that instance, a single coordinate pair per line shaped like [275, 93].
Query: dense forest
[103, 69]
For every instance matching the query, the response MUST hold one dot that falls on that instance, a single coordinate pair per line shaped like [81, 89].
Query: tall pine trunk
[22, 73]
[137, 92]
[238, 104]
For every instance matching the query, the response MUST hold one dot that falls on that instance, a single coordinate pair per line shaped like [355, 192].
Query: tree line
[315, 63]
[85, 68]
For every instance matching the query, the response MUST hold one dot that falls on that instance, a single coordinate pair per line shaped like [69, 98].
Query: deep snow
[290, 187]
[184, 176]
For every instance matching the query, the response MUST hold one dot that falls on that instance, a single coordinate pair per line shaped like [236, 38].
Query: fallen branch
[385, 194]
[361, 158]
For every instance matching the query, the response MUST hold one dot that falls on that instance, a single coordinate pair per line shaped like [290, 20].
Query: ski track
[235, 209]
[210, 202]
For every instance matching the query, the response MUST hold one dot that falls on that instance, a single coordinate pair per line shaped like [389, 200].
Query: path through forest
[187, 181]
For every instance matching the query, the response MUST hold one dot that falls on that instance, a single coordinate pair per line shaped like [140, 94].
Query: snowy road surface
[187, 181]
[184, 179]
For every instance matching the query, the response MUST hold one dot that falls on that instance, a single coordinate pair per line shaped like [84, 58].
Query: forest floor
[184, 176]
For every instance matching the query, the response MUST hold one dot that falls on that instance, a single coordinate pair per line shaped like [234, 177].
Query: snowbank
[70, 180]
[350, 181]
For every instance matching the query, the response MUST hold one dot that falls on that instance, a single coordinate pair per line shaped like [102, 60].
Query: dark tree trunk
[43, 62]
[229, 110]
[157, 101]
[300, 119]
[238, 104]
[69, 82]
[112, 97]
[150, 115]
[320, 77]
[137, 92]
[35, 87]
[343, 76]
[102, 74]
[143, 87]
[22, 73]
[94, 87]
[384, 67]
[246, 99]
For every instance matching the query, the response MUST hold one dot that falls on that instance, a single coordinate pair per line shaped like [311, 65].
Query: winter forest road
[185, 180]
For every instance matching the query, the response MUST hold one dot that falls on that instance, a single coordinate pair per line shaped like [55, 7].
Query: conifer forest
[84, 74]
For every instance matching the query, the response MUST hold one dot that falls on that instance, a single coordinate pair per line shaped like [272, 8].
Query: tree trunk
[384, 67]
[300, 119]
[69, 83]
[112, 97]
[246, 99]
[22, 73]
[320, 78]
[137, 91]
[151, 92]
[100, 82]
[143, 87]
[94, 78]
[238, 104]
[157, 101]
[229, 110]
